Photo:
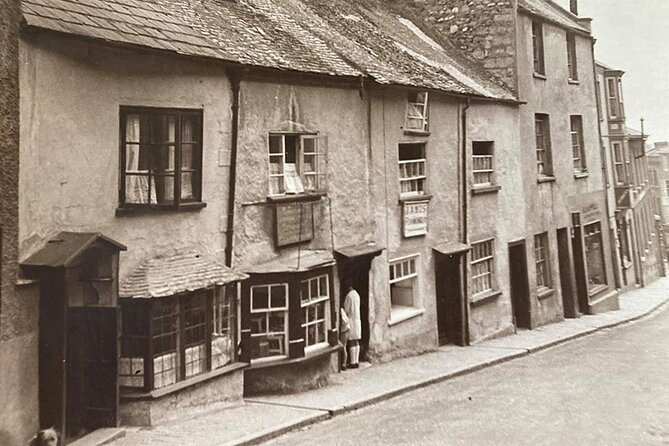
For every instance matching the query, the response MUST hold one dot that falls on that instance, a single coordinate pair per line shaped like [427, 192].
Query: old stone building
[632, 197]
[658, 169]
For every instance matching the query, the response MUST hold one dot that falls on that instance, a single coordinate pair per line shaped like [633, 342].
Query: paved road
[611, 388]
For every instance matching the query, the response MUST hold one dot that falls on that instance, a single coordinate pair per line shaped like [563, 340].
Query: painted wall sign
[415, 217]
[287, 223]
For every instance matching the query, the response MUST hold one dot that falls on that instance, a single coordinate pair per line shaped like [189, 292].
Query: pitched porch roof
[66, 247]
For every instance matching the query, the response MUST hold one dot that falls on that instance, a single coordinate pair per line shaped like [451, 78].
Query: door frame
[526, 320]
[452, 310]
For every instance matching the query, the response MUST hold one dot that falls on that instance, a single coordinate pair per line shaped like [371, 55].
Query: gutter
[235, 79]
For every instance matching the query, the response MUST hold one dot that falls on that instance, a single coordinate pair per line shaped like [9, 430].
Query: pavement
[262, 418]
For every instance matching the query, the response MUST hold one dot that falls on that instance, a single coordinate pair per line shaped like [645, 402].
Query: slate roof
[171, 274]
[552, 12]
[332, 37]
[66, 247]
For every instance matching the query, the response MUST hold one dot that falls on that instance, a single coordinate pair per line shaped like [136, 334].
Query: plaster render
[72, 92]
[549, 204]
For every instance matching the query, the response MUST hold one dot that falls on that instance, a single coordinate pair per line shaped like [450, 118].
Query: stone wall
[483, 29]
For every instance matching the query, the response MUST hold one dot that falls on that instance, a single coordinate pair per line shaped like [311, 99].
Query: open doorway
[354, 271]
[567, 281]
[520, 288]
[451, 311]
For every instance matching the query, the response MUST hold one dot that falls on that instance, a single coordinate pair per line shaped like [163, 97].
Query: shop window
[269, 320]
[403, 283]
[483, 163]
[161, 157]
[176, 348]
[417, 112]
[538, 47]
[315, 297]
[542, 261]
[543, 145]
[577, 145]
[594, 253]
[412, 169]
[571, 57]
[483, 267]
[297, 164]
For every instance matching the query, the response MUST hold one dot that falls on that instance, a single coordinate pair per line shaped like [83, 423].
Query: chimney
[573, 6]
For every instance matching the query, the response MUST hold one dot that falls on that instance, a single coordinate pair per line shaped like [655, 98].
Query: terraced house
[222, 171]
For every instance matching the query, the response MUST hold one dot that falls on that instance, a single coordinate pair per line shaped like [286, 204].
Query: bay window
[161, 157]
[170, 339]
[315, 296]
[269, 320]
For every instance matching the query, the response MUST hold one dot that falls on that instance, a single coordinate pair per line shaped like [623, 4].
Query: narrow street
[611, 388]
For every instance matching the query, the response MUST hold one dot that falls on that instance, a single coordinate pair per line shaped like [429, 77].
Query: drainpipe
[465, 213]
[234, 77]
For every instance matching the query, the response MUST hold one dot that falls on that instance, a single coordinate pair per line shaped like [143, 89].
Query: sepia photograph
[334, 222]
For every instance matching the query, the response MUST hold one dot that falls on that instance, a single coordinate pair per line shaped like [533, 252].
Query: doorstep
[100, 437]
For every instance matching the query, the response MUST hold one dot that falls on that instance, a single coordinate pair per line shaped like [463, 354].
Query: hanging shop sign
[415, 217]
[288, 229]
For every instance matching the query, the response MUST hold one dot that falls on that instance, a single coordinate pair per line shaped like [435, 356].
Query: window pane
[260, 297]
[278, 296]
[276, 144]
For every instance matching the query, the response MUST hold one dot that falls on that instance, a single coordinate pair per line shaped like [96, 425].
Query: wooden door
[92, 369]
[451, 306]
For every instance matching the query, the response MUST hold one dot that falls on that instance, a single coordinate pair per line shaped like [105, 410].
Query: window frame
[143, 346]
[619, 163]
[286, 318]
[572, 61]
[483, 165]
[488, 271]
[419, 178]
[545, 165]
[542, 262]
[538, 56]
[178, 202]
[612, 96]
[323, 300]
[424, 117]
[578, 144]
[398, 312]
[320, 163]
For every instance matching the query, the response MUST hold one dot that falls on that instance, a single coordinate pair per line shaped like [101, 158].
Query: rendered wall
[549, 204]
[18, 304]
[69, 178]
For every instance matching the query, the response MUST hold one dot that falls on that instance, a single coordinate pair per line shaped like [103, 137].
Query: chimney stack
[573, 6]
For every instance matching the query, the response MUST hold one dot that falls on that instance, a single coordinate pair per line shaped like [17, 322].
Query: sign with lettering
[287, 223]
[415, 216]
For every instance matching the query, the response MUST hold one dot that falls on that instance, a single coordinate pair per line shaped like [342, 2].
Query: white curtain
[136, 186]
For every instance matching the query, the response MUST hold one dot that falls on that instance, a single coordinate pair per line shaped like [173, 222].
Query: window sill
[596, 290]
[417, 132]
[545, 293]
[485, 297]
[127, 395]
[400, 314]
[156, 209]
[573, 82]
[309, 356]
[296, 198]
[546, 179]
[409, 198]
[539, 76]
[581, 174]
[481, 190]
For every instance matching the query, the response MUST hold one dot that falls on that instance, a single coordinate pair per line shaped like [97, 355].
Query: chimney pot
[573, 6]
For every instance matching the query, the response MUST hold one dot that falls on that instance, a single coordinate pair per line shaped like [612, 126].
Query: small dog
[45, 437]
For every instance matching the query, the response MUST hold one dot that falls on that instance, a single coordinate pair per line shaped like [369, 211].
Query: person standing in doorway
[352, 309]
[344, 331]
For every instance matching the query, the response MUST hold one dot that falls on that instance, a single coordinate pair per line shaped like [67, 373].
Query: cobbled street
[611, 388]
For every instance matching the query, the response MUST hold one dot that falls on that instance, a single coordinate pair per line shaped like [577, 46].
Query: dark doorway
[355, 272]
[451, 315]
[520, 288]
[579, 264]
[567, 283]
[92, 393]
